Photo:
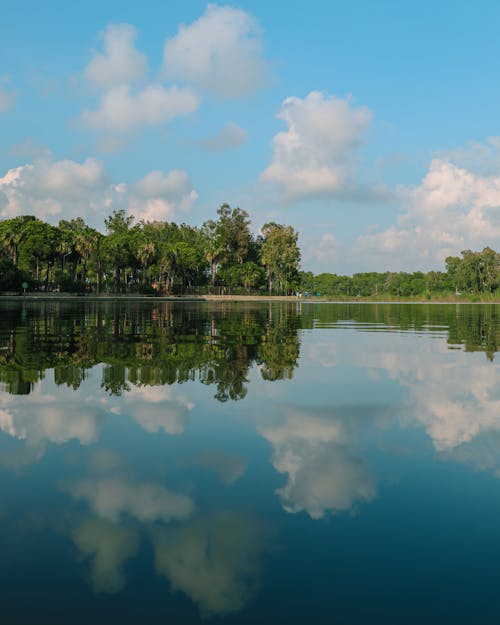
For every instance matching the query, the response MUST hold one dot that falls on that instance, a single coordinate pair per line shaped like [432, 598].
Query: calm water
[287, 463]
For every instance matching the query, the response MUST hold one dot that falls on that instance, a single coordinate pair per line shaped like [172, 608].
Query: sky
[371, 127]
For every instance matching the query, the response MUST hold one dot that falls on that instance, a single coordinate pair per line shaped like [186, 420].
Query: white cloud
[315, 155]
[68, 179]
[231, 136]
[158, 196]
[48, 188]
[109, 547]
[121, 110]
[219, 52]
[214, 560]
[54, 190]
[315, 450]
[123, 105]
[453, 208]
[112, 497]
[121, 62]
[156, 209]
[158, 184]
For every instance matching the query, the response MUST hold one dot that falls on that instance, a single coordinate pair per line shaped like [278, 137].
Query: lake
[249, 463]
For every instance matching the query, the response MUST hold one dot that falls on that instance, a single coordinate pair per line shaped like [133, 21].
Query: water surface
[249, 463]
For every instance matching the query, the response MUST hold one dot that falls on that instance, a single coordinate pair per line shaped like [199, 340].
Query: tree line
[222, 256]
[148, 257]
[473, 274]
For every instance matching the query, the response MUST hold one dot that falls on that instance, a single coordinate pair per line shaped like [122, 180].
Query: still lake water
[249, 463]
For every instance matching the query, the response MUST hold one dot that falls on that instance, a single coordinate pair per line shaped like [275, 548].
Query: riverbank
[243, 298]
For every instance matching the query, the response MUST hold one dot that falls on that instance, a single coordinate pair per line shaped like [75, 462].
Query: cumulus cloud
[120, 62]
[160, 196]
[48, 188]
[315, 155]
[108, 546]
[219, 52]
[453, 208]
[121, 109]
[113, 497]
[231, 136]
[324, 474]
[54, 190]
[124, 105]
[215, 560]
[159, 184]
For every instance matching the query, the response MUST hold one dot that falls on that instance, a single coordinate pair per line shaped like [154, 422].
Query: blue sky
[371, 127]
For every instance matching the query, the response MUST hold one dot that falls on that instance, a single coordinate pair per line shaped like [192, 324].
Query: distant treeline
[470, 274]
[148, 257]
[221, 256]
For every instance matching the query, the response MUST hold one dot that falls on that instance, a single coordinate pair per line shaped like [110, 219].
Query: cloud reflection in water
[316, 449]
[108, 546]
[215, 560]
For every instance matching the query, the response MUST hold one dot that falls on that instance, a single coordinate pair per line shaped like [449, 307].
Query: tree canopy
[145, 257]
[221, 256]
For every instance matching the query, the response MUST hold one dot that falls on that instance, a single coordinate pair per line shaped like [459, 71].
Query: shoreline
[229, 298]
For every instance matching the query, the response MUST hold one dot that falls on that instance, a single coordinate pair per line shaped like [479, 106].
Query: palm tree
[251, 275]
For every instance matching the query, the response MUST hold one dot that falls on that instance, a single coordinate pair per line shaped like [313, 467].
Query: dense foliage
[222, 257]
[148, 257]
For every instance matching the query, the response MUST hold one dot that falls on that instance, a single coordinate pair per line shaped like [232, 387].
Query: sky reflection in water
[242, 463]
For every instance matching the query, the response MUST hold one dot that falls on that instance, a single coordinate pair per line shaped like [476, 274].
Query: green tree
[251, 275]
[116, 248]
[11, 235]
[228, 241]
[38, 249]
[280, 255]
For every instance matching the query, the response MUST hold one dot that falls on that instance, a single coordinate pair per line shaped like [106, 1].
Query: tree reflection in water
[153, 343]
[147, 344]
